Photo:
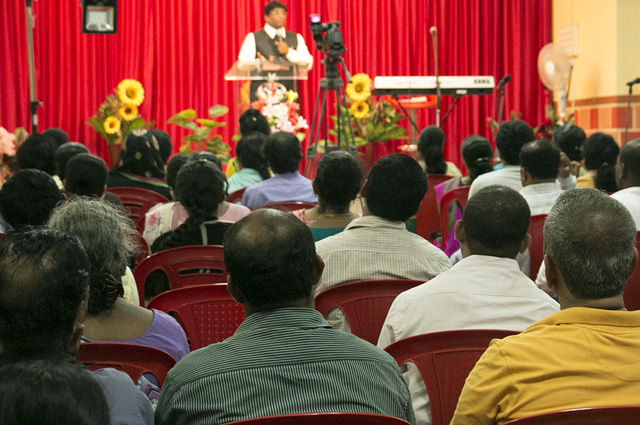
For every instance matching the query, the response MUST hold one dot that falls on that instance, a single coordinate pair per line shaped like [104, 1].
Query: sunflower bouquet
[284, 116]
[372, 120]
[118, 116]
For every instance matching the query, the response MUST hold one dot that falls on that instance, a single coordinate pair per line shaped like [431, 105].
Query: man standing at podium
[274, 44]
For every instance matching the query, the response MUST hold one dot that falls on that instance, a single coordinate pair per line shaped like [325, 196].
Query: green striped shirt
[281, 361]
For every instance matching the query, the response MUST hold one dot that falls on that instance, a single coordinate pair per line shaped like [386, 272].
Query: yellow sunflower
[360, 110]
[128, 112]
[111, 125]
[130, 92]
[359, 89]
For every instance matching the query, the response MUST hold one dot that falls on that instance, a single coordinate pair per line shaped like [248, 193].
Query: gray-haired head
[590, 238]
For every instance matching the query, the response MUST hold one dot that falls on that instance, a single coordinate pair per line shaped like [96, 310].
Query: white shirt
[479, 292]
[509, 176]
[299, 56]
[541, 197]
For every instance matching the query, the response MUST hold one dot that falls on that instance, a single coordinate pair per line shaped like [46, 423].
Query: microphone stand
[434, 36]
[33, 103]
[500, 104]
[626, 128]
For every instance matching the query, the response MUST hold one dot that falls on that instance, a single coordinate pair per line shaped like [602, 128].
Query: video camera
[327, 36]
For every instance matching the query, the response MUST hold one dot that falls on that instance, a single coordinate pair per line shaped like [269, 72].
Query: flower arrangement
[372, 120]
[552, 121]
[203, 137]
[284, 116]
[118, 116]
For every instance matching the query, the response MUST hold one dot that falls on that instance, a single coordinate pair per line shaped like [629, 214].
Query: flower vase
[369, 150]
[114, 152]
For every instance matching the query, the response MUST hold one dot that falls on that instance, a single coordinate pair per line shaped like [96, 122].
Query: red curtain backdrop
[180, 50]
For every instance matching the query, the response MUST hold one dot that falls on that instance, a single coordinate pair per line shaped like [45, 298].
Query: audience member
[284, 358]
[337, 183]
[378, 245]
[570, 138]
[540, 161]
[44, 285]
[600, 157]
[586, 354]
[86, 175]
[106, 236]
[165, 146]
[628, 179]
[429, 154]
[252, 166]
[37, 152]
[486, 290]
[59, 136]
[140, 165]
[49, 391]
[283, 153]
[62, 156]
[252, 121]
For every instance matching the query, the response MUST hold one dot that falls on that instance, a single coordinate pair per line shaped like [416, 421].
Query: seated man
[284, 358]
[378, 245]
[586, 355]
[485, 290]
[628, 179]
[86, 175]
[540, 161]
[44, 288]
[282, 151]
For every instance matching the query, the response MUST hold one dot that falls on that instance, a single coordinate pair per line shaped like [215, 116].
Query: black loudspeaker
[99, 16]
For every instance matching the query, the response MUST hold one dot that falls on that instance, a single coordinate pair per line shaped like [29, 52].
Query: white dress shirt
[479, 292]
[541, 197]
[509, 176]
[299, 56]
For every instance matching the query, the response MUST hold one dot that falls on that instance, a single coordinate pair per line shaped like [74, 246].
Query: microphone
[631, 83]
[504, 81]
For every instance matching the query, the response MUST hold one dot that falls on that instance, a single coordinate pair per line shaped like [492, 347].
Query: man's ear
[235, 291]
[634, 262]
[459, 232]
[525, 243]
[363, 189]
[315, 187]
[318, 268]
[552, 273]
[524, 176]
[72, 340]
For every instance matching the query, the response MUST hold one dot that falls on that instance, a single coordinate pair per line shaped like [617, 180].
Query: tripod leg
[350, 138]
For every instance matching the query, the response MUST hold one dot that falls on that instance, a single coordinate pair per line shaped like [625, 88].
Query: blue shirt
[279, 188]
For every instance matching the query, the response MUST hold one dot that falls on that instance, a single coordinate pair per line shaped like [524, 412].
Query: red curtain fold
[180, 50]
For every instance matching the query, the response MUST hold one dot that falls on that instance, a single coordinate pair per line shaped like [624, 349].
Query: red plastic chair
[365, 304]
[184, 266]
[137, 202]
[459, 195]
[288, 206]
[614, 415]
[444, 360]
[329, 418]
[132, 359]
[236, 196]
[536, 253]
[207, 313]
[632, 290]
[428, 217]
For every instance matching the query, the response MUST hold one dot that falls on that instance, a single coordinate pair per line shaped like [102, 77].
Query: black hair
[174, 166]
[270, 256]
[496, 220]
[206, 156]
[28, 198]
[273, 5]
[510, 138]
[630, 157]
[249, 152]
[283, 153]
[38, 152]
[59, 136]
[164, 143]
[430, 147]
[66, 393]
[86, 175]
[395, 187]
[570, 139]
[541, 159]
[338, 180]
[44, 277]
[65, 153]
[252, 121]
[601, 153]
[476, 152]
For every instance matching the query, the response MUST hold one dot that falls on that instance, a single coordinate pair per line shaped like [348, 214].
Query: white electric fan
[554, 68]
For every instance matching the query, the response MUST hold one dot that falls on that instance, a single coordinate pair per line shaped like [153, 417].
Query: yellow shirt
[578, 357]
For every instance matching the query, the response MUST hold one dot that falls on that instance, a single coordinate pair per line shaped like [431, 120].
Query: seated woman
[337, 183]
[429, 154]
[252, 167]
[600, 153]
[251, 121]
[166, 217]
[200, 188]
[107, 236]
[140, 165]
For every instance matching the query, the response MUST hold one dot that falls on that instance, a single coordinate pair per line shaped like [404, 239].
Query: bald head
[628, 172]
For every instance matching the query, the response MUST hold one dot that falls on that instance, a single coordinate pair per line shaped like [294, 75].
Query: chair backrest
[614, 415]
[460, 195]
[329, 418]
[444, 360]
[184, 266]
[132, 359]
[365, 304]
[207, 313]
[428, 217]
[535, 249]
[236, 196]
[288, 206]
[632, 290]
[137, 202]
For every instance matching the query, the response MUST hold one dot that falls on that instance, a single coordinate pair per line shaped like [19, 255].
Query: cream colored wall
[628, 47]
